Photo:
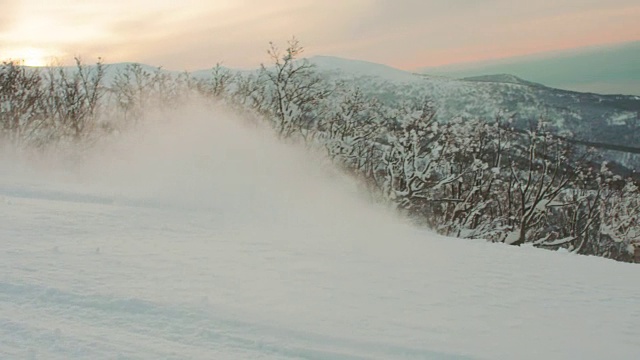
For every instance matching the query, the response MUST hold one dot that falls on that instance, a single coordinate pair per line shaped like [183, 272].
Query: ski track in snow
[249, 272]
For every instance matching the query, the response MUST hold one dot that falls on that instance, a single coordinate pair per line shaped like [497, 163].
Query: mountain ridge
[612, 69]
[503, 78]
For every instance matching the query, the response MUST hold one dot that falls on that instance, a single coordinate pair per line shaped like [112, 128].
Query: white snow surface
[202, 239]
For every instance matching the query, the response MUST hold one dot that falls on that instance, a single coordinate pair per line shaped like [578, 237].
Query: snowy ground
[206, 241]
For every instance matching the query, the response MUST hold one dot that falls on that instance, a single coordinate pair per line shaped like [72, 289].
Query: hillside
[291, 212]
[201, 239]
[457, 156]
[605, 119]
[586, 117]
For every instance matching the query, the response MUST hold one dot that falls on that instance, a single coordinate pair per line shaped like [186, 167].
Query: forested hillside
[437, 151]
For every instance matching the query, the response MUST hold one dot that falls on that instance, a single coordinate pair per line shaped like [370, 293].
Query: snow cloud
[195, 160]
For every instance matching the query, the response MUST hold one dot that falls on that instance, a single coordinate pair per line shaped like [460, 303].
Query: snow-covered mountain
[346, 67]
[606, 119]
[502, 78]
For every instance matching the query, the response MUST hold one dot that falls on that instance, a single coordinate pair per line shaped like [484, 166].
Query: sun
[27, 56]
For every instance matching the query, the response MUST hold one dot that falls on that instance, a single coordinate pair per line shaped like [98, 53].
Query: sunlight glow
[27, 56]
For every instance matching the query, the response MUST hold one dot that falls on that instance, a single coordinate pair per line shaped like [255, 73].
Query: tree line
[468, 178]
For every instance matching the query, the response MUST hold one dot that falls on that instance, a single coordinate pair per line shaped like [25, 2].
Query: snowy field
[205, 240]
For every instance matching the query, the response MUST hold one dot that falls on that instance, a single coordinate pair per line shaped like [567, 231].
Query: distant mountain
[613, 69]
[502, 78]
[610, 122]
[361, 68]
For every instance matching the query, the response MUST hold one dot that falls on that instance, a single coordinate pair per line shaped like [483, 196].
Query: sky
[407, 34]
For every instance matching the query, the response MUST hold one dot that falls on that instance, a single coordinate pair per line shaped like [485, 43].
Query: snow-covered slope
[347, 67]
[603, 119]
[204, 240]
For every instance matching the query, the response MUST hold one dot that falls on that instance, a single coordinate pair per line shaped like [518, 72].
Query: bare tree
[218, 83]
[132, 89]
[21, 94]
[296, 90]
[74, 97]
[539, 172]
